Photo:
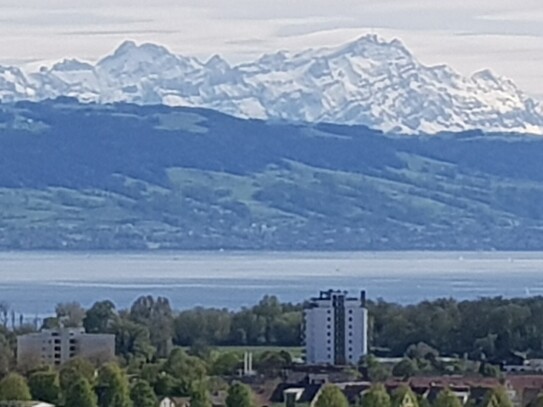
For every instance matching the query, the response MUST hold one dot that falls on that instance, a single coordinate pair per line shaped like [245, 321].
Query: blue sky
[469, 35]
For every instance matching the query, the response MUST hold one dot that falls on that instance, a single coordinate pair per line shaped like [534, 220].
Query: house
[526, 388]
[353, 392]
[175, 402]
[292, 394]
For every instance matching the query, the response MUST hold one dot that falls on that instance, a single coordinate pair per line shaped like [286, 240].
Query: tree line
[78, 383]
[486, 329]
[162, 352]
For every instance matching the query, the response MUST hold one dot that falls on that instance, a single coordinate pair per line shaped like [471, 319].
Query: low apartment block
[57, 346]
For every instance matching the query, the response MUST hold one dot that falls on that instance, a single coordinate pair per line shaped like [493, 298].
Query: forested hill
[76, 176]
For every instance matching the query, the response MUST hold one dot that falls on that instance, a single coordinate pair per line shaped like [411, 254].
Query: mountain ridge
[369, 81]
[129, 177]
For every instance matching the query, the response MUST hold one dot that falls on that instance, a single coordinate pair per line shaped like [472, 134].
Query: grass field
[295, 351]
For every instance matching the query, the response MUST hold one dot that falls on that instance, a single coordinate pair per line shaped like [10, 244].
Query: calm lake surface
[32, 283]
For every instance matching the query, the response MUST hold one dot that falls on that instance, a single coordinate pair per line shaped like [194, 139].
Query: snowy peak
[370, 81]
[71, 65]
[375, 48]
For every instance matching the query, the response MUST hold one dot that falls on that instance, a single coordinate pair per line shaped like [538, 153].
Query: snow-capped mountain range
[370, 81]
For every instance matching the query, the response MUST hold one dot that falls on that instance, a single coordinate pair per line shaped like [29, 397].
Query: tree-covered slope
[132, 177]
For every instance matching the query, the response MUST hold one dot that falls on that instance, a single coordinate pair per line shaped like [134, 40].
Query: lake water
[32, 283]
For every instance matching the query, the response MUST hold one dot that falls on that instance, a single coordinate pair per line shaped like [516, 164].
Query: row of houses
[471, 391]
[522, 390]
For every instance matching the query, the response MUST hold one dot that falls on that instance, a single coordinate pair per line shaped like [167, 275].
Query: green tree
[45, 386]
[374, 371]
[142, 395]
[488, 370]
[80, 394]
[226, 363]
[422, 351]
[269, 309]
[405, 369]
[497, 397]
[132, 340]
[332, 396]
[239, 395]
[100, 317]
[447, 398]
[70, 314]
[376, 396]
[166, 385]
[186, 369]
[158, 316]
[248, 328]
[399, 397]
[199, 396]
[208, 325]
[272, 363]
[14, 388]
[112, 387]
[50, 323]
[75, 369]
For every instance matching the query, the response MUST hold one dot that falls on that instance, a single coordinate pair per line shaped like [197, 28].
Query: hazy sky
[469, 35]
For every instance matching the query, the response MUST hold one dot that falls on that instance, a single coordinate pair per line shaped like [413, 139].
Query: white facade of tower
[336, 329]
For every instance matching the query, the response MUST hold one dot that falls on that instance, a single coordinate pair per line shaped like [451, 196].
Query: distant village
[336, 356]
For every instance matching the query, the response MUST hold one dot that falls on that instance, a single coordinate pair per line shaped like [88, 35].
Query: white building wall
[320, 333]
[356, 332]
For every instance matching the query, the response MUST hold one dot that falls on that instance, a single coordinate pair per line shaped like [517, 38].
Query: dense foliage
[377, 396]
[332, 396]
[480, 332]
[82, 176]
[487, 328]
